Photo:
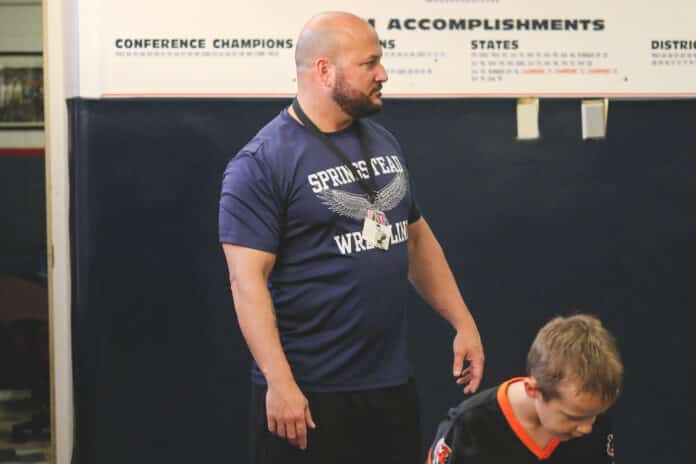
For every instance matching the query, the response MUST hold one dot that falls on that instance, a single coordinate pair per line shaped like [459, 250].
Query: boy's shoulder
[475, 428]
[479, 406]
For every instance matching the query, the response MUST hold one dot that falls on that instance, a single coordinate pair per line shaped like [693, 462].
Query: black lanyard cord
[369, 189]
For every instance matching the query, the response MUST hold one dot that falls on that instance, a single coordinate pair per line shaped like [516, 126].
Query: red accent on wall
[21, 152]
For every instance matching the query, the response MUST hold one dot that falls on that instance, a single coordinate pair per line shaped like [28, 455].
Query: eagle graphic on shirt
[355, 205]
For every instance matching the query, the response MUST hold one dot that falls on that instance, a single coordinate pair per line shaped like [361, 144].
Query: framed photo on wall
[21, 90]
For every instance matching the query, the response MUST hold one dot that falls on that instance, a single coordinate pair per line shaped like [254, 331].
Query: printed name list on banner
[447, 48]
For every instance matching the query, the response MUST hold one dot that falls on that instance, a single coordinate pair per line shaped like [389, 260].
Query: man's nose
[381, 74]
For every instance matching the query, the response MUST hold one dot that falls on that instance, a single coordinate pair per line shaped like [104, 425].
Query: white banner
[432, 48]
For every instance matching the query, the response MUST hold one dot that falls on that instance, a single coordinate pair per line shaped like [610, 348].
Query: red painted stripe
[438, 95]
[21, 152]
[203, 94]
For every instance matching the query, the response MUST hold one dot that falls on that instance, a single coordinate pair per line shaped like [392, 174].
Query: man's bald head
[325, 35]
[339, 69]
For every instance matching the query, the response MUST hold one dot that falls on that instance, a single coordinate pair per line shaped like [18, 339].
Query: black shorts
[378, 426]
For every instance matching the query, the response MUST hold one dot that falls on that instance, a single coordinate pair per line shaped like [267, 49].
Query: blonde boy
[554, 414]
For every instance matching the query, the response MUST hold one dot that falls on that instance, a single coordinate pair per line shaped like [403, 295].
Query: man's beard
[353, 102]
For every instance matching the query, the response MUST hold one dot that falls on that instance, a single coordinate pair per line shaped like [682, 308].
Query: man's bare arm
[287, 409]
[432, 277]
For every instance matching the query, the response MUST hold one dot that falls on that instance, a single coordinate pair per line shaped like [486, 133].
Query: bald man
[322, 234]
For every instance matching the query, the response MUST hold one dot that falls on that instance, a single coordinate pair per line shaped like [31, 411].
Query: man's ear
[326, 71]
[531, 388]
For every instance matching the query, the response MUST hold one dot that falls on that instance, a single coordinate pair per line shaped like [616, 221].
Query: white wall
[21, 139]
[60, 68]
[21, 31]
[20, 26]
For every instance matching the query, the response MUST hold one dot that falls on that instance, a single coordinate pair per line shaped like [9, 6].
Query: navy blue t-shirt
[336, 299]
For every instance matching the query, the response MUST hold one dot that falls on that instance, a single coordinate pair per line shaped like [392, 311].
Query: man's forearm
[254, 308]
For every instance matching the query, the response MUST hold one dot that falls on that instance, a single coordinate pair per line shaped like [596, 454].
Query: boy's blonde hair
[578, 348]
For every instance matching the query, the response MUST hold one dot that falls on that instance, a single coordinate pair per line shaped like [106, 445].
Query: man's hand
[467, 347]
[288, 414]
